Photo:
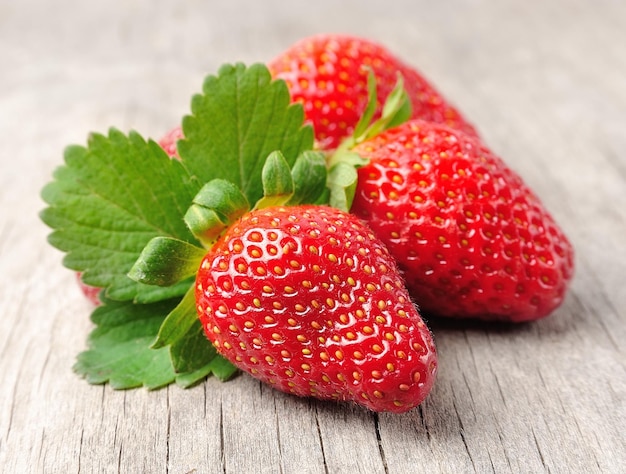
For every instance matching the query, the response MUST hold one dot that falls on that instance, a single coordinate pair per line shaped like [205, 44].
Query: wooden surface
[545, 82]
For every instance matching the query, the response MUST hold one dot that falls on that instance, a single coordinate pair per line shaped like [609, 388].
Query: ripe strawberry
[471, 238]
[90, 292]
[328, 75]
[308, 300]
[168, 142]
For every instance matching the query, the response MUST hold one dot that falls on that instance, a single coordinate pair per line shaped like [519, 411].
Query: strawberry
[308, 300]
[472, 239]
[90, 292]
[168, 141]
[328, 75]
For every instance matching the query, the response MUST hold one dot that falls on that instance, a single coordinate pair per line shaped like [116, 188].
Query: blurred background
[552, 58]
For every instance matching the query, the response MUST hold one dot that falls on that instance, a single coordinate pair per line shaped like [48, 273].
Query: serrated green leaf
[219, 367]
[277, 181]
[120, 351]
[178, 322]
[239, 119]
[189, 379]
[119, 348]
[309, 178]
[166, 261]
[108, 201]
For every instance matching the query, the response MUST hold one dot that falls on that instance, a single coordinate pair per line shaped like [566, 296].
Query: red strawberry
[308, 300]
[472, 239]
[328, 75]
[169, 141]
[90, 292]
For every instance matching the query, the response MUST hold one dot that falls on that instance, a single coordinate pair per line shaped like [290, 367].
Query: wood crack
[119, 454]
[278, 438]
[168, 430]
[222, 442]
[462, 430]
[420, 409]
[321, 439]
[379, 440]
[467, 450]
[543, 460]
[80, 449]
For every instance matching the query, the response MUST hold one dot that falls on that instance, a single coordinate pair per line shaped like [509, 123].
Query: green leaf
[342, 176]
[342, 181]
[397, 108]
[152, 294]
[239, 119]
[108, 201]
[309, 178]
[178, 322]
[194, 357]
[119, 348]
[224, 198]
[218, 204]
[222, 368]
[166, 261]
[121, 353]
[191, 352]
[277, 181]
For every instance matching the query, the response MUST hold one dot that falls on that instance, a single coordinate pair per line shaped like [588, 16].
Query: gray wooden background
[545, 83]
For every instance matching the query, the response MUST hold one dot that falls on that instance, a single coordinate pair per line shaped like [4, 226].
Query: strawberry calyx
[166, 261]
[220, 203]
[213, 209]
[396, 110]
[343, 162]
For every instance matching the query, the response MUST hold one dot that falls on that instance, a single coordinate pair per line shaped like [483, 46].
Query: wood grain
[545, 83]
